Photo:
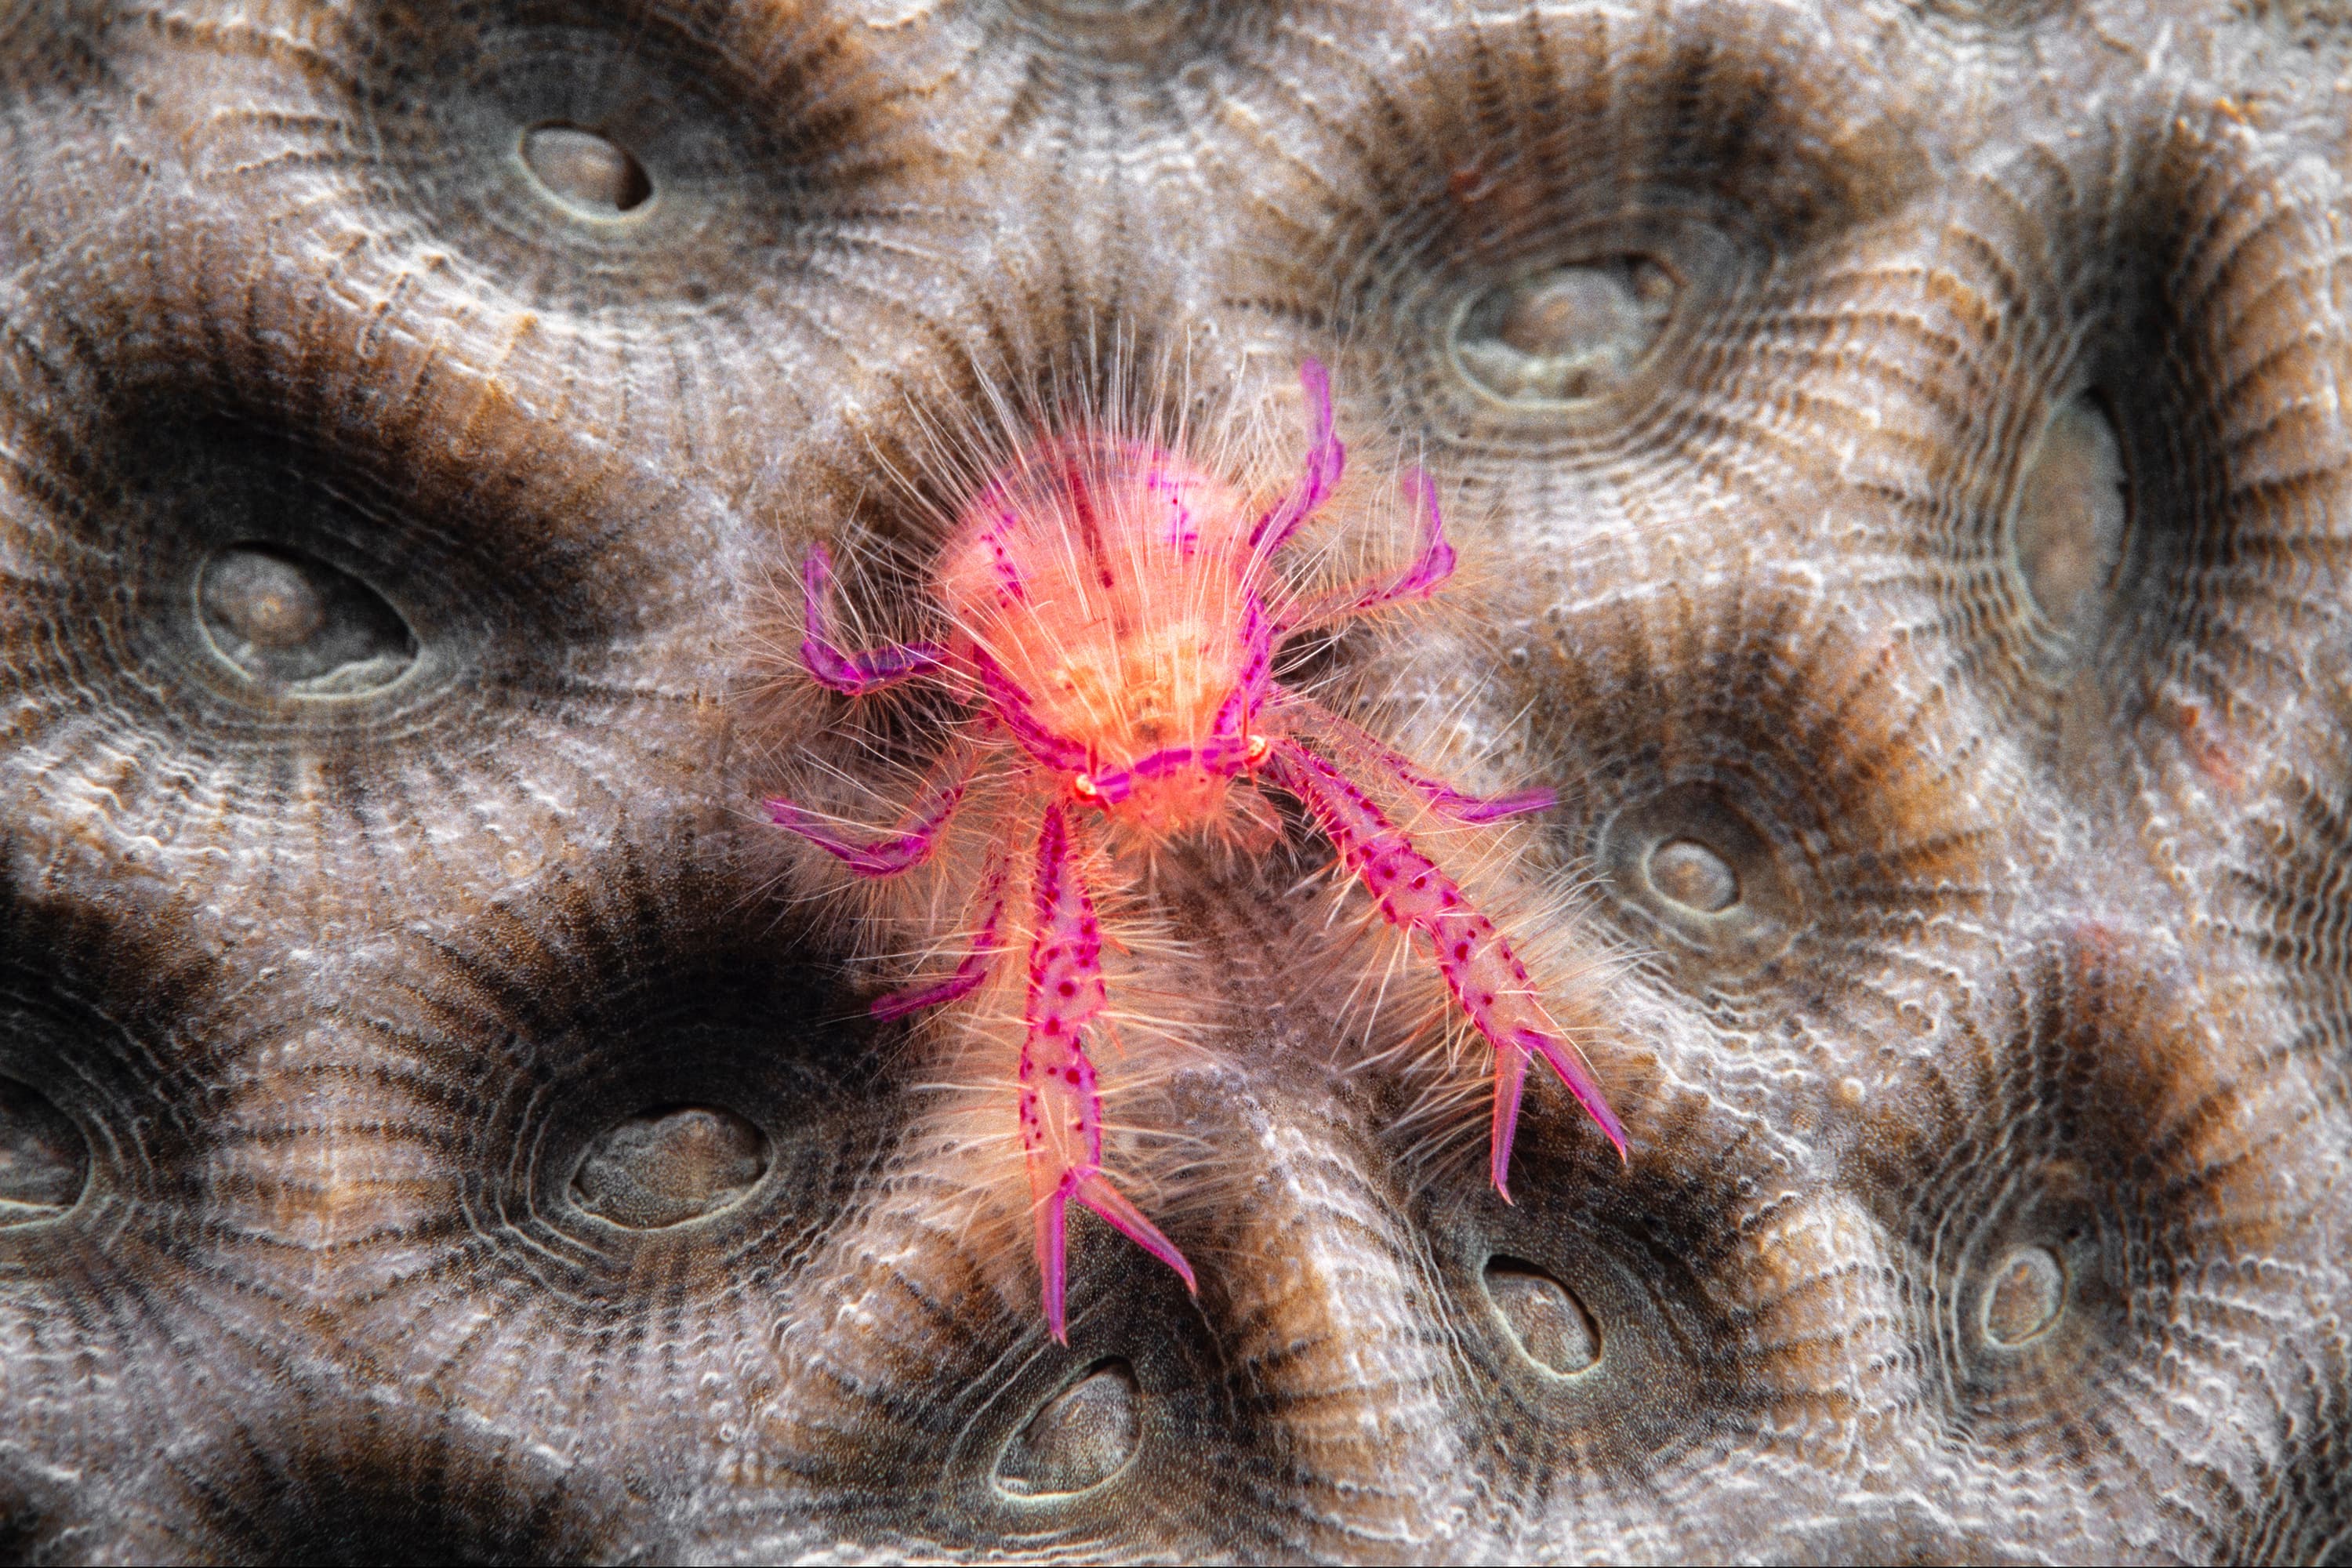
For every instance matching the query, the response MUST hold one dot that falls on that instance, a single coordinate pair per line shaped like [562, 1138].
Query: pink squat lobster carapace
[1114, 620]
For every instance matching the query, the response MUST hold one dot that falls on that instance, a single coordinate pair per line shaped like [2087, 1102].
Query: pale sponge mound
[1897, 454]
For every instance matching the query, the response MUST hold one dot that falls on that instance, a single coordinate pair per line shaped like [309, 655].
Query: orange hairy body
[1108, 596]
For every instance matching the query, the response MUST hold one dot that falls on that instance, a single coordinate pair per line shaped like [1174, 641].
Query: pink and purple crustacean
[1114, 622]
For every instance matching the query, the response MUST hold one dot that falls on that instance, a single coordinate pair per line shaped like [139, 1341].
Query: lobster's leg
[1061, 1111]
[905, 847]
[831, 664]
[1327, 460]
[1365, 752]
[1487, 978]
[969, 970]
[1429, 570]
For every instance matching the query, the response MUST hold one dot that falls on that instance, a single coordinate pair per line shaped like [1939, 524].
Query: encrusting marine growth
[1899, 459]
[1115, 620]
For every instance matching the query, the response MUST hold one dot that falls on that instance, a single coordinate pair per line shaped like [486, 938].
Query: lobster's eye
[1258, 747]
[1083, 787]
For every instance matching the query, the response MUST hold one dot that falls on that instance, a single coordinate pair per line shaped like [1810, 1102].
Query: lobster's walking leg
[1365, 750]
[1061, 1111]
[969, 970]
[1487, 978]
[831, 664]
[1327, 460]
[910, 843]
[1422, 578]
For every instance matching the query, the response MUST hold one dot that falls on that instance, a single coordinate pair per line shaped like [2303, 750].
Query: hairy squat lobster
[1114, 620]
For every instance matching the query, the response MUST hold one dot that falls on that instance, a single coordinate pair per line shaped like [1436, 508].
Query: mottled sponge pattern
[1898, 454]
